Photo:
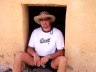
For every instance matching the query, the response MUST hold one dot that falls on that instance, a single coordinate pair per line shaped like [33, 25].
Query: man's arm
[57, 53]
[31, 51]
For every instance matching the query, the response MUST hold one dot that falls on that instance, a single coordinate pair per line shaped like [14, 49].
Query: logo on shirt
[42, 40]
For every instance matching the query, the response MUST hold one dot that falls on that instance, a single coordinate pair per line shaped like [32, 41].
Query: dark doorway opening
[59, 12]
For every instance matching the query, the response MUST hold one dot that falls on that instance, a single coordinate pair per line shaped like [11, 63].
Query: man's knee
[18, 55]
[58, 61]
[62, 59]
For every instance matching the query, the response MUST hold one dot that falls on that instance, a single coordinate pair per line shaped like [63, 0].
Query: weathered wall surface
[12, 30]
[14, 26]
[79, 38]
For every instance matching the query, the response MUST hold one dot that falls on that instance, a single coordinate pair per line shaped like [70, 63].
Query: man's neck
[47, 29]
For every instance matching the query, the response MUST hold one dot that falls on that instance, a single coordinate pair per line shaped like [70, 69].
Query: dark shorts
[47, 65]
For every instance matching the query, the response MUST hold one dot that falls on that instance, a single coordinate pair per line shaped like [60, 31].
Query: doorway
[58, 12]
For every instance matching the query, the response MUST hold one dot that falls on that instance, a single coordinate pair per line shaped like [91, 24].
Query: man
[46, 45]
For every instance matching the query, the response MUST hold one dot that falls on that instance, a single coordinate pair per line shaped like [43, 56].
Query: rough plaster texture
[80, 36]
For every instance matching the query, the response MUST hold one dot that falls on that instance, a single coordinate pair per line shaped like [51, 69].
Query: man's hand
[36, 60]
[44, 60]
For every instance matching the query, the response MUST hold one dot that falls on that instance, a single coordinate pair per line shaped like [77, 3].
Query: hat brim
[37, 18]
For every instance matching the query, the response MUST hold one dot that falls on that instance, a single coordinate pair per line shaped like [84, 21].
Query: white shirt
[46, 43]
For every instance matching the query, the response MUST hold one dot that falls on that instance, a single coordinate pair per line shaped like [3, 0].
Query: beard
[45, 26]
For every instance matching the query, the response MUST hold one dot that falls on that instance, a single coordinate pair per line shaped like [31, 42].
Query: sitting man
[46, 46]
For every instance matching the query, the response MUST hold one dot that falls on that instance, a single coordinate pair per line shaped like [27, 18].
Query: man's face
[45, 22]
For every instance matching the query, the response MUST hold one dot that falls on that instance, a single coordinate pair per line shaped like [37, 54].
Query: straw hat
[43, 15]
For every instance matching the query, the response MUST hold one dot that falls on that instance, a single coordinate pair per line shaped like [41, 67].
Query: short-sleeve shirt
[46, 43]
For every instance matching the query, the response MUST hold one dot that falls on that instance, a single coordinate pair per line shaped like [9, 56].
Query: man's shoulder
[37, 29]
[56, 30]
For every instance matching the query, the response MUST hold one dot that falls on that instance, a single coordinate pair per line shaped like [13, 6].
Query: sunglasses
[44, 19]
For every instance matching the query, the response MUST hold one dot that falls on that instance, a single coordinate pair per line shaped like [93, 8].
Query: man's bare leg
[60, 64]
[22, 57]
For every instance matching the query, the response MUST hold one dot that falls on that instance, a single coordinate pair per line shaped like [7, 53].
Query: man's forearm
[31, 51]
[56, 54]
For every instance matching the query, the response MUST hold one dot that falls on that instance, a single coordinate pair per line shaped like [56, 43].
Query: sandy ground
[38, 70]
[27, 70]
